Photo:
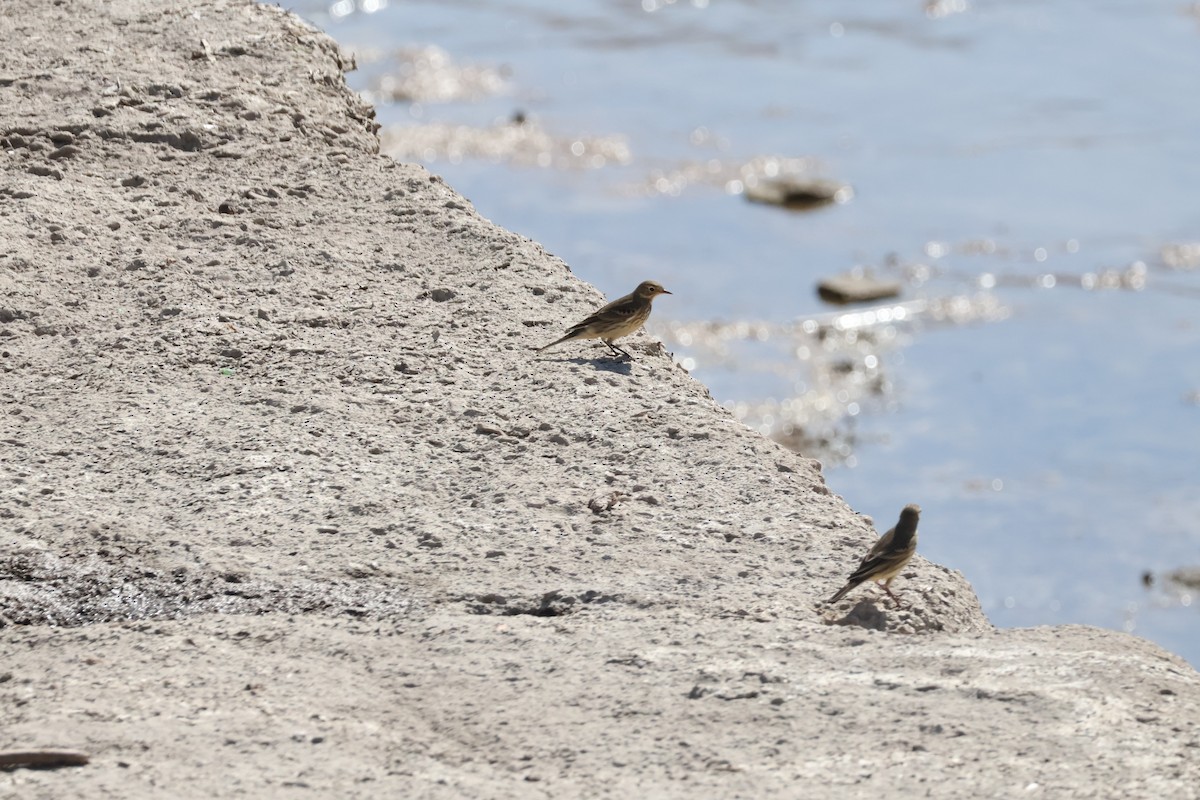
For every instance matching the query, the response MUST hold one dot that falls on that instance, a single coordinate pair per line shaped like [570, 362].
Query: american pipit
[888, 556]
[619, 318]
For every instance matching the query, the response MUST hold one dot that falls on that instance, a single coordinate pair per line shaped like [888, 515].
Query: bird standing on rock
[619, 318]
[889, 555]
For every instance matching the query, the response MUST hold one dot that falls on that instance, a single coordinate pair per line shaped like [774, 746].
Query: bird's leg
[617, 351]
[887, 587]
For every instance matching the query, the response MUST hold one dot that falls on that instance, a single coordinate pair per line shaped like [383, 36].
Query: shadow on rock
[621, 366]
[865, 614]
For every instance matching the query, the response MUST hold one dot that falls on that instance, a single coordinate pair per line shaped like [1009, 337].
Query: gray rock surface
[289, 504]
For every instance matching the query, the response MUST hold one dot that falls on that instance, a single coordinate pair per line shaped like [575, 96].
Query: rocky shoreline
[289, 503]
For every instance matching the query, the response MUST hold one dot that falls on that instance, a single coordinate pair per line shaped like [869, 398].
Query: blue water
[1054, 451]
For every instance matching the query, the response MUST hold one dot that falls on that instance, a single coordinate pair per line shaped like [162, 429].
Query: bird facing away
[619, 318]
[888, 556]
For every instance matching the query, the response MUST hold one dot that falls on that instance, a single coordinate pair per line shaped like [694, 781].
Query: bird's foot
[895, 599]
[619, 352]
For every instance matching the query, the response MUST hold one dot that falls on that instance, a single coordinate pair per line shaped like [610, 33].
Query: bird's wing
[621, 307]
[881, 545]
[872, 565]
[877, 557]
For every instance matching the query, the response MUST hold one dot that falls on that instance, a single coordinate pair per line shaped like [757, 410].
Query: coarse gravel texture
[289, 504]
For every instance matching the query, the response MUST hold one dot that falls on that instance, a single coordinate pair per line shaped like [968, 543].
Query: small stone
[602, 504]
[44, 171]
[69, 151]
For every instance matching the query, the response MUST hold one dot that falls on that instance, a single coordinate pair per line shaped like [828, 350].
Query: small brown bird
[889, 555]
[619, 318]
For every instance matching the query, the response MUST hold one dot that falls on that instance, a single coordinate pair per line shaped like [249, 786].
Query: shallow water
[1027, 171]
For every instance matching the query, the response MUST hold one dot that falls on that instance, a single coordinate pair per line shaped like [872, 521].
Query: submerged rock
[856, 287]
[798, 194]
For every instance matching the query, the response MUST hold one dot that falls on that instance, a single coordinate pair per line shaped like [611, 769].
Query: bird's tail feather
[845, 590]
[574, 333]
